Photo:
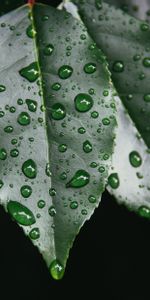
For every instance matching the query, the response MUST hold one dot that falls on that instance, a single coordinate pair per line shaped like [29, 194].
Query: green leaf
[8, 5]
[126, 43]
[57, 127]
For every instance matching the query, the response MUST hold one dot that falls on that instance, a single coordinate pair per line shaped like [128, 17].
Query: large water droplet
[29, 168]
[87, 146]
[118, 66]
[34, 234]
[31, 72]
[90, 68]
[20, 213]
[58, 111]
[113, 180]
[3, 154]
[135, 159]
[32, 105]
[24, 118]
[26, 191]
[83, 102]
[48, 50]
[144, 211]
[65, 72]
[80, 179]
[2, 88]
[56, 270]
[31, 33]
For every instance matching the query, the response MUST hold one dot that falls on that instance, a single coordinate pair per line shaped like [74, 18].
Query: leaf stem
[31, 2]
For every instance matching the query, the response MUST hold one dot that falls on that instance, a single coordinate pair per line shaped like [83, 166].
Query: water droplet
[147, 97]
[14, 141]
[12, 109]
[106, 156]
[26, 191]
[23, 118]
[101, 169]
[65, 72]
[47, 170]
[83, 102]
[118, 66]
[34, 234]
[56, 86]
[144, 27]
[1, 184]
[106, 121]
[136, 57]
[135, 159]
[14, 153]
[83, 36]
[84, 212]
[32, 105]
[48, 50]
[146, 62]
[52, 192]
[98, 4]
[31, 33]
[80, 179]
[31, 72]
[113, 180]
[8, 129]
[19, 101]
[63, 176]
[52, 211]
[92, 199]
[2, 88]
[56, 270]
[20, 213]
[41, 203]
[94, 114]
[144, 211]
[93, 164]
[81, 130]
[2, 114]
[74, 204]
[105, 93]
[3, 154]
[29, 168]
[58, 111]
[45, 18]
[87, 146]
[62, 148]
[90, 68]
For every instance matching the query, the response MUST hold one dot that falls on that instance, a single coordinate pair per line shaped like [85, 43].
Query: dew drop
[135, 159]
[19, 101]
[90, 68]
[32, 105]
[58, 111]
[80, 179]
[29, 168]
[14, 153]
[83, 102]
[56, 270]
[52, 192]
[31, 72]
[47, 170]
[84, 212]
[20, 213]
[31, 33]
[52, 211]
[144, 27]
[94, 114]
[147, 97]
[81, 130]
[2, 114]
[3, 154]
[92, 199]
[144, 211]
[101, 169]
[65, 72]
[24, 118]
[48, 50]
[74, 205]
[98, 4]
[63, 176]
[62, 148]
[8, 129]
[2, 88]
[146, 62]
[56, 86]
[41, 203]
[34, 234]
[118, 66]
[106, 121]
[26, 191]
[87, 146]
[113, 180]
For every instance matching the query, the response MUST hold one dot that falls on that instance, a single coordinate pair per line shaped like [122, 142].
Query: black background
[110, 258]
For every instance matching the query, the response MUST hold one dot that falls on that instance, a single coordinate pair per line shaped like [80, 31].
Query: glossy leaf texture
[125, 41]
[57, 127]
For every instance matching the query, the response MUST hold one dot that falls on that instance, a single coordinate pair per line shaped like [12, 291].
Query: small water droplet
[29, 168]
[47, 170]
[147, 97]
[118, 66]
[56, 270]
[87, 146]
[74, 204]
[62, 148]
[63, 176]
[135, 159]
[34, 234]
[31, 33]
[2, 88]
[45, 18]
[98, 4]
[106, 121]
[52, 192]
[32, 105]
[31, 72]
[20, 213]
[14, 141]
[80, 179]
[83, 102]
[8, 129]
[2, 114]
[81, 130]
[101, 169]
[24, 118]
[113, 180]
[52, 211]
[12, 109]
[26, 191]
[90, 68]
[1, 184]
[94, 114]
[93, 164]
[84, 212]
[56, 86]
[48, 50]
[19, 101]
[14, 153]
[41, 203]
[136, 57]
[65, 72]
[92, 199]
[146, 62]
[58, 111]
[144, 27]
[144, 211]
[3, 154]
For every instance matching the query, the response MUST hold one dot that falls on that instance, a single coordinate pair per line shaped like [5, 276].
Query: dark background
[109, 259]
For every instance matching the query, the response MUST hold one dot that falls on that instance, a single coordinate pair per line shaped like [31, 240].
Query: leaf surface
[57, 127]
